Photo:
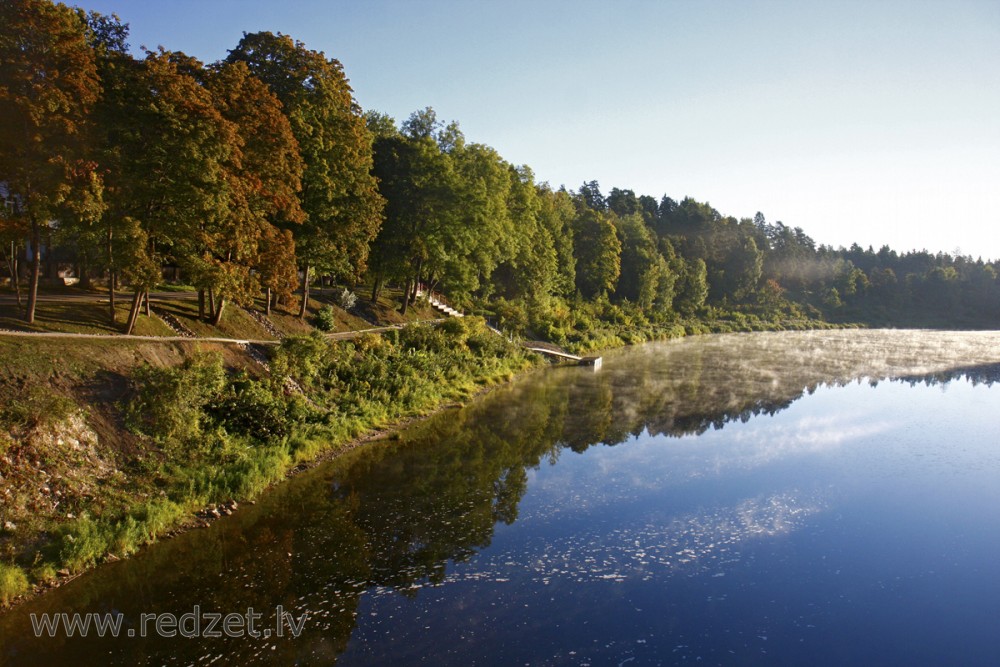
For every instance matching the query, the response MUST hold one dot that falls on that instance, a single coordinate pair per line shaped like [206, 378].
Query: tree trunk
[305, 293]
[133, 313]
[406, 298]
[376, 288]
[217, 317]
[146, 299]
[267, 302]
[36, 266]
[111, 276]
[83, 272]
[14, 277]
[111, 297]
[211, 301]
[416, 281]
[201, 304]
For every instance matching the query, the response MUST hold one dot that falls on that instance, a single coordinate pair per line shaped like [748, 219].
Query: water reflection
[396, 517]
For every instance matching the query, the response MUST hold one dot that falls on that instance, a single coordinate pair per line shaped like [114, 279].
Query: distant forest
[252, 177]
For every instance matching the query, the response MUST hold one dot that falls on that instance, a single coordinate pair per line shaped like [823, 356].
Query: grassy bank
[109, 444]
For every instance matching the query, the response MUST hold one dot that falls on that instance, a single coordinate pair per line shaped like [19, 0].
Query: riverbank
[110, 445]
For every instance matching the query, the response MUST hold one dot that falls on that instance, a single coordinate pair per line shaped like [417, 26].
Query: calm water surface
[800, 498]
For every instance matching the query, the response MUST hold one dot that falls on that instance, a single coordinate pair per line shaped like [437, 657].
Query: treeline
[254, 174]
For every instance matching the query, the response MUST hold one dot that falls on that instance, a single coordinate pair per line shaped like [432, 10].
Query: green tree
[480, 235]
[417, 181]
[532, 270]
[110, 241]
[166, 162]
[556, 214]
[597, 251]
[640, 261]
[591, 197]
[623, 202]
[743, 268]
[339, 193]
[692, 287]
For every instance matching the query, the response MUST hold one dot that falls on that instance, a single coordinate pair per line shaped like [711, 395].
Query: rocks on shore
[217, 511]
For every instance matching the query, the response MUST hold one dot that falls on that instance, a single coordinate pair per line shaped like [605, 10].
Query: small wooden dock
[562, 355]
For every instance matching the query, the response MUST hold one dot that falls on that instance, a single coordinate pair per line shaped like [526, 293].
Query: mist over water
[788, 498]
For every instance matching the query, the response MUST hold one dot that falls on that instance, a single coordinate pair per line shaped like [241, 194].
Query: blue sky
[876, 122]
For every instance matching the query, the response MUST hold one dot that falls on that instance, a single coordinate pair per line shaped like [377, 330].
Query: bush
[511, 316]
[300, 357]
[347, 299]
[250, 407]
[13, 582]
[325, 320]
[423, 337]
[168, 402]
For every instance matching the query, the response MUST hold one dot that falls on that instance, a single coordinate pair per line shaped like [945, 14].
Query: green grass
[13, 582]
[80, 317]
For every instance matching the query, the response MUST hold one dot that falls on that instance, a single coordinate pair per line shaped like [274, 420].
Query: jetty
[557, 353]
[439, 303]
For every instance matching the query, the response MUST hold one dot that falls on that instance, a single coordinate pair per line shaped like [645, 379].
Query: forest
[253, 177]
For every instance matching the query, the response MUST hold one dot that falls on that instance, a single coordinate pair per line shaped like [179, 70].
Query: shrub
[423, 337]
[347, 299]
[324, 320]
[374, 343]
[168, 402]
[511, 316]
[300, 357]
[250, 407]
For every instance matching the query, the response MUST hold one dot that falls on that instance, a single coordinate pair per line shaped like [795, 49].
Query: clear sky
[875, 122]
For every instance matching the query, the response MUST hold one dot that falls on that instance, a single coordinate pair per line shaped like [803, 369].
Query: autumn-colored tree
[262, 174]
[13, 231]
[48, 82]
[339, 194]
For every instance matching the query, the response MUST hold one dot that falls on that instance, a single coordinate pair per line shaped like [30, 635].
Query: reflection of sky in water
[780, 536]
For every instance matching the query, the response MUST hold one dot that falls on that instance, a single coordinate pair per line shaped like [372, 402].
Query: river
[821, 498]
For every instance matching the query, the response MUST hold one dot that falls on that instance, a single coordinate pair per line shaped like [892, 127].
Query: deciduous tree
[48, 82]
[339, 195]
